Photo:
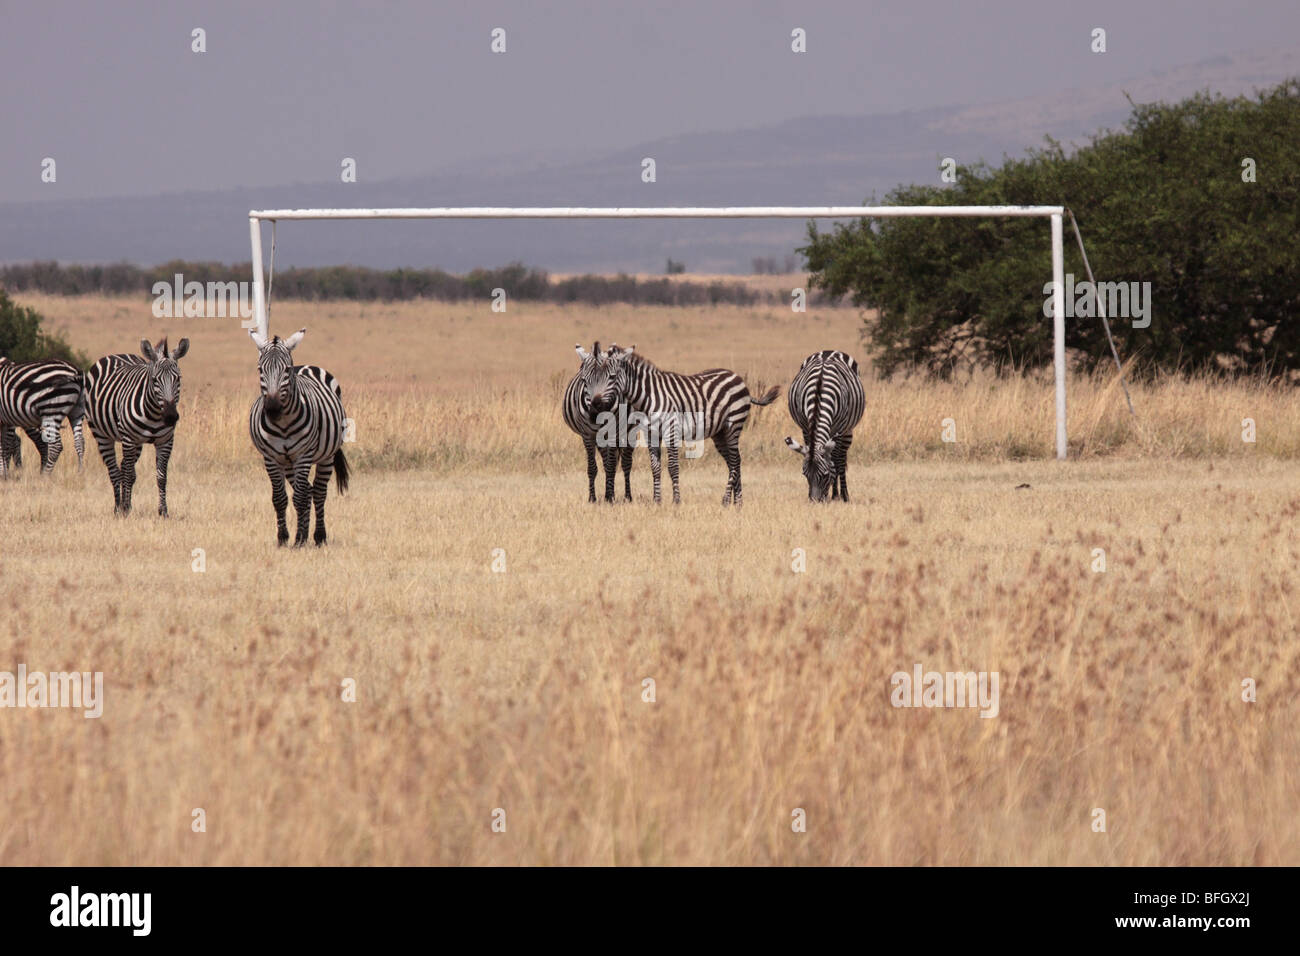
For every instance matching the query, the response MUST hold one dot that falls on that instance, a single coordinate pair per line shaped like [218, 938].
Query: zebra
[593, 379]
[826, 402]
[132, 399]
[37, 397]
[295, 423]
[674, 408]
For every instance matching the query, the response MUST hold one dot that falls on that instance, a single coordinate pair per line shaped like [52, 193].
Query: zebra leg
[79, 443]
[319, 487]
[626, 455]
[162, 453]
[672, 437]
[842, 464]
[108, 452]
[278, 498]
[609, 456]
[302, 501]
[673, 449]
[35, 435]
[10, 447]
[654, 470]
[42, 448]
[720, 443]
[728, 446]
[52, 435]
[130, 455]
[589, 442]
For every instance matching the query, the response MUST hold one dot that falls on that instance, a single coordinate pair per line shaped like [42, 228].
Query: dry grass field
[523, 689]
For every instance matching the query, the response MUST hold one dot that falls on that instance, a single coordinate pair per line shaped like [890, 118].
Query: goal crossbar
[1053, 213]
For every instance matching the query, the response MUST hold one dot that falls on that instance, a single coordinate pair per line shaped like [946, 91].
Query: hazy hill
[817, 160]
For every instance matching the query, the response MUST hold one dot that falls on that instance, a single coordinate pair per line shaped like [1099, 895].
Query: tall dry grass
[523, 690]
[437, 385]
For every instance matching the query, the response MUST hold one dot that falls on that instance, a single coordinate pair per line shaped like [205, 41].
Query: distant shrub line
[388, 285]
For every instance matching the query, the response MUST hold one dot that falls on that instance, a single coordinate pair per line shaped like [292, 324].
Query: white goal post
[1054, 213]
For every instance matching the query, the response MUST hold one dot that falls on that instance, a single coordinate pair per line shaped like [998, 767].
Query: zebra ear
[292, 341]
[182, 347]
[146, 349]
[258, 338]
[582, 353]
[796, 447]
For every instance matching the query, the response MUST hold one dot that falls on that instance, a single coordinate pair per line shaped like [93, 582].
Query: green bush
[22, 339]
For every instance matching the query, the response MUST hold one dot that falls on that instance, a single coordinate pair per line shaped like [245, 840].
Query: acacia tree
[1200, 198]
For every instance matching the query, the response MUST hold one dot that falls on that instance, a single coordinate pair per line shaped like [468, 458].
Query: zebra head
[818, 467]
[275, 371]
[597, 387]
[616, 364]
[165, 376]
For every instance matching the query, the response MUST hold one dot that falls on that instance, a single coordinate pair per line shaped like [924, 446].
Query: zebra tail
[78, 412]
[341, 470]
[768, 397]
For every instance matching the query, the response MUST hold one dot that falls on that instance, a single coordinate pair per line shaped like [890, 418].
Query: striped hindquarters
[32, 393]
[826, 399]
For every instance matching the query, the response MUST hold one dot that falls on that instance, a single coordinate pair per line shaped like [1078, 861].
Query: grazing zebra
[132, 400]
[295, 423]
[675, 408]
[826, 402]
[592, 380]
[36, 397]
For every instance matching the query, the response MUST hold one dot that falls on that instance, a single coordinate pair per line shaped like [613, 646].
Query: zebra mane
[636, 358]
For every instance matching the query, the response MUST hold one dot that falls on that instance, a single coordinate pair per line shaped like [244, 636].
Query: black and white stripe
[11, 453]
[37, 397]
[132, 399]
[297, 422]
[826, 402]
[593, 380]
[673, 408]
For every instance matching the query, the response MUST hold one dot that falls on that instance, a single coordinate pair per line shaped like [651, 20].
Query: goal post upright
[1058, 331]
[1054, 213]
[259, 297]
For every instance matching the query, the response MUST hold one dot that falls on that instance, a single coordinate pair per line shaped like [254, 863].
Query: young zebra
[678, 408]
[132, 400]
[295, 423]
[592, 380]
[826, 401]
[36, 397]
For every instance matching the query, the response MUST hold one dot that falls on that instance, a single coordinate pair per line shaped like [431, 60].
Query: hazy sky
[285, 90]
